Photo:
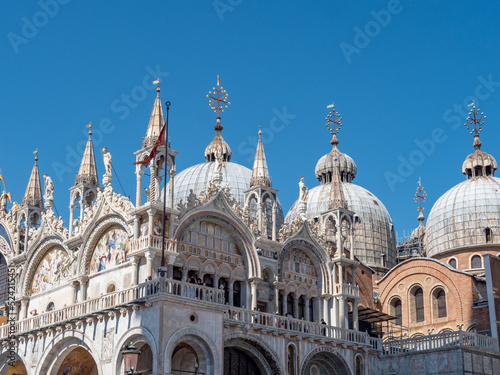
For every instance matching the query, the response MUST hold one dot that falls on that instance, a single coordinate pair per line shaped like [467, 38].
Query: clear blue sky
[399, 73]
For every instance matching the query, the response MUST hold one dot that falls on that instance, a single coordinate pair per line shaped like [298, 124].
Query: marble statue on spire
[304, 191]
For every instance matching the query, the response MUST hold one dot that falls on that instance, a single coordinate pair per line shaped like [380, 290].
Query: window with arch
[111, 288]
[475, 262]
[453, 263]
[439, 301]
[291, 359]
[487, 234]
[51, 306]
[359, 365]
[396, 310]
[417, 300]
[3, 280]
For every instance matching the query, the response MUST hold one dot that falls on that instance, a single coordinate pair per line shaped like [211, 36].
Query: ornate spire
[217, 102]
[156, 120]
[33, 195]
[478, 122]
[333, 123]
[260, 173]
[87, 174]
[420, 197]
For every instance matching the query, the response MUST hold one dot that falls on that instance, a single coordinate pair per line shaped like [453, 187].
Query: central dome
[196, 178]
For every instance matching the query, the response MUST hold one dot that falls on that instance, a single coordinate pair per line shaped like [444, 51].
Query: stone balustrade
[114, 300]
[275, 323]
[343, 288]
[152, 241]
[440, 340]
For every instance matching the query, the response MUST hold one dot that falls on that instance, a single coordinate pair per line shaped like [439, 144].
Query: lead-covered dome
[469, 213]
[374, 238]
[197, 177]
[462, 215]
[334, 158]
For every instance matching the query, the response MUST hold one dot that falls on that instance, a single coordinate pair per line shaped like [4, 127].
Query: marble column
[284, 302]
[355, 321]
[274, 222]
[253, 287]
[231, 292]
[138, 190]
[71, 218]
[296, 306]
[306, 309]
[135, 269]
[149, 263]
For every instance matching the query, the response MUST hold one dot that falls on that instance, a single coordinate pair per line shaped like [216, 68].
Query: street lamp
[131, 357]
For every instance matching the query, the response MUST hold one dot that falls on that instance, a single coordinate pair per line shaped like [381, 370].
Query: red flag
[158, 143]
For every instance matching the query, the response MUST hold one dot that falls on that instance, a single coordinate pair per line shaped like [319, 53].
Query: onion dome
[211, 149]
[328, 162]
[468, 214]
[419, 231]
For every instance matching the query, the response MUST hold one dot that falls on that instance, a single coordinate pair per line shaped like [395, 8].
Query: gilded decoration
[54, 269]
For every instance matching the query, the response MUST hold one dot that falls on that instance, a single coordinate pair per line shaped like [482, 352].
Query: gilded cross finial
[36, 154]
[89, 126]
[420, 196]
[478, 121]
[475, 119]
[333, 120]
[217, 100]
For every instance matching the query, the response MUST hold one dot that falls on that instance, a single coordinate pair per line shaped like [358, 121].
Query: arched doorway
[249, 357]
[17, 369]
[324, 362]
[185, 360]
[77, 362]
[237, 362]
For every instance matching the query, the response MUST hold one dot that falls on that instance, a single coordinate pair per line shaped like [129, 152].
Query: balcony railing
[152, 241]
[349, 289]
[114, 301]
[270, 322]
[441, 340]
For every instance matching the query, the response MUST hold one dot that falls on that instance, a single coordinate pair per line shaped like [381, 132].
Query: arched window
[396, 310]
[440, 303]
[453, 263]
[475, 262]
[418, 304]
[3, 280]
[359, 365]
[291, 360]
[487, 233]
[111, 288]
[51, 306]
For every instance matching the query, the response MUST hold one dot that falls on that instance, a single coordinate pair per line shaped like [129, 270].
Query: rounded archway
[17, 369]
[321, 361]
[248, 357]
[76, 361]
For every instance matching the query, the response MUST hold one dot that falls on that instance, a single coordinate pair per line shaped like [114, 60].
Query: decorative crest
[217, 100]
[420, 196]
[333, 120]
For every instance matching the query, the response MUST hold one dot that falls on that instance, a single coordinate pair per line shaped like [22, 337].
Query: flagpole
[162, 264]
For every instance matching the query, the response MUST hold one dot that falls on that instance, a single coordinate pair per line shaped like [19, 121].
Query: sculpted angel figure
[304, 192]
[49, 187]
[106, 157]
